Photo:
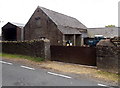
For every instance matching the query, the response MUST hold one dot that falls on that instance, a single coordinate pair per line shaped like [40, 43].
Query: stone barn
[12, 32]
[56, 27]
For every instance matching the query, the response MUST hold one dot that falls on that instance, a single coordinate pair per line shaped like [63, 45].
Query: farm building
[60, 29]
[107, 32]
[56, 27]
[94, 34]
[12, 32]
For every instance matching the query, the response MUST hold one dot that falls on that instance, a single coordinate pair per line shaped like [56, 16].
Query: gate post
[47, 54]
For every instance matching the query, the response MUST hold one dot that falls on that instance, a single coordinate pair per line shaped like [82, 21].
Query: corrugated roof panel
[18, 24]
[106, 32]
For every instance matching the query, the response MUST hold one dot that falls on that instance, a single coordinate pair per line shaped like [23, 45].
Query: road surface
[14, 74]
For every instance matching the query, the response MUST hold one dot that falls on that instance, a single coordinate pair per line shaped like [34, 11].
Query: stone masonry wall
[108, 56]
[35, 48]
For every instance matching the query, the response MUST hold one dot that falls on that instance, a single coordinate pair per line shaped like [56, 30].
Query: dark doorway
[9, 34]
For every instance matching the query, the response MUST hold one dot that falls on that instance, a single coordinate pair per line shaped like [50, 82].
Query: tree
[110, 26]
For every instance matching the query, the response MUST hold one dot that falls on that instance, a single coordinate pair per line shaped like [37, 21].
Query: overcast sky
[92, 13]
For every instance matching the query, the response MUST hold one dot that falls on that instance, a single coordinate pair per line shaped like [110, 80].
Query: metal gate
[74, 54]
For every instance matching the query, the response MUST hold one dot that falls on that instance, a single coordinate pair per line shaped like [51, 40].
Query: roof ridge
[47, 14]
[56, 12]
[62, 19]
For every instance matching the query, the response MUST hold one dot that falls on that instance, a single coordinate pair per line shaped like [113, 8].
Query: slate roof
[108, 32]
[68, 30]
[66, 24]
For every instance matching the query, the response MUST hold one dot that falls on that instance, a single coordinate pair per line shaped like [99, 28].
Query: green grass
[109, 75]
[16, 56]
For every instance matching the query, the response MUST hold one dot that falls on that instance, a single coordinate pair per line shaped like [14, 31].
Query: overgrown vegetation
[17, 56]
[108, 75]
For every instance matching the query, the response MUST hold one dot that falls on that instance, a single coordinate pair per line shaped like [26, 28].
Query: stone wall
[108, 56]
[35, 48]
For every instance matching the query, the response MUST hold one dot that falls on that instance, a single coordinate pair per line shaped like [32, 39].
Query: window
[38, 21]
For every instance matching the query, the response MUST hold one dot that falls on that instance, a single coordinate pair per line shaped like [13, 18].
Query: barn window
[38, 11]
[37, 18]
[38, 21]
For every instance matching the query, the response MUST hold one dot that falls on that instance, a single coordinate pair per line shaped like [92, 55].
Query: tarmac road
[14, 74]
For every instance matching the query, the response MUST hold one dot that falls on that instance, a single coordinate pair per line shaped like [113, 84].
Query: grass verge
[64, 67]
[107, 75]
[36, 59]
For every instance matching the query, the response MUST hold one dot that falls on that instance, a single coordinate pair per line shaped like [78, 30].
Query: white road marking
[6, 63]
[101, 84]
[60, 75]
[27, 67]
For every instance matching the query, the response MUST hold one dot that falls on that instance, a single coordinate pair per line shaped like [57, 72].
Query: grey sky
[92, 13]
